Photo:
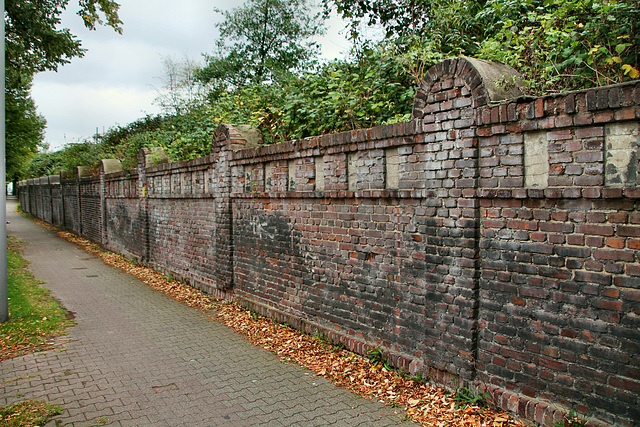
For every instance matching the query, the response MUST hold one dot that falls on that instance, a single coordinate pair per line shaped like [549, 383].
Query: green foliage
[101, 420]
[34, 41]
[420, 378]
[71, 156]
[114, 136]
[124, 142]
[451, 24]
[256, 105]
[321, 336]
[27, 413]
[85, 153]
[44, 164]
[24, 127]
[464, 397]
[455, 27]
[263, 40]
[564, 44]
[556, 44]
[181, 136]
[377, 358]
[397, 17]
[348, 95]
[341, 96]
[91, 11]
[571, 420]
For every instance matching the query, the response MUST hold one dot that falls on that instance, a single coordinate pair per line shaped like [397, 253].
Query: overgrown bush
[561, 45]
[556, 44]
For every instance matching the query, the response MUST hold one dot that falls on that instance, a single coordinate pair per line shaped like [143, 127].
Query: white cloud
[75, 111]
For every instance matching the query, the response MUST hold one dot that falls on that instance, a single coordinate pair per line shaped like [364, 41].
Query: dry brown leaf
[344, 368]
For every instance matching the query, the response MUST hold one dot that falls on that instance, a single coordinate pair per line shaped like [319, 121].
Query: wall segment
[493, 242]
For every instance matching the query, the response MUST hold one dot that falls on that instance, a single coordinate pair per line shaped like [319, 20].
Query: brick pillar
[143, 205]
[103, 207]
[63, 213]
[226, 139]
[107, 166]
[446, 105]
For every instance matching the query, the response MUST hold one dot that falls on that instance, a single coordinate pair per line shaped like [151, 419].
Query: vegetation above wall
[556, 45]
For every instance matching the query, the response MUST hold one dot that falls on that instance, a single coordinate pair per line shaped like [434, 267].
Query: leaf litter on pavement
[422, 402]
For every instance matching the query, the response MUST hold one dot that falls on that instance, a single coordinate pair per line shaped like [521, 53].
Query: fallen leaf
[348, 369]
[413, 402]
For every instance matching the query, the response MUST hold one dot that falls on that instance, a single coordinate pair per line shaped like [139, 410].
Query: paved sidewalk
[138, 358]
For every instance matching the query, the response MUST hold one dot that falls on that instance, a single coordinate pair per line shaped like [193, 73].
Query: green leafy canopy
[262, 40]
[265, 72]
[34, 42]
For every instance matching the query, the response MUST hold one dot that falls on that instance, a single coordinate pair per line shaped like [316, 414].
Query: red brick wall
[487, 240]
[125, 231]
[69, 194]
[91, 208]
[559, 287]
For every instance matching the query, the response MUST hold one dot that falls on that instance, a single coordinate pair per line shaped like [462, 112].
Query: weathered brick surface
[125, 227]
[557, 317]
[492, 242]
[45, 205]
[57, 202]
[91, 208]
[182, 238]
[71, 206]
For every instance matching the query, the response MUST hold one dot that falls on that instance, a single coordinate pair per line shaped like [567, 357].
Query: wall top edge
[196, 163]
[243, 145]
[129, 174]
[356, 136]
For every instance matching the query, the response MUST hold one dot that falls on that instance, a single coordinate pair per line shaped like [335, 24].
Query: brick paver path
[138, 358]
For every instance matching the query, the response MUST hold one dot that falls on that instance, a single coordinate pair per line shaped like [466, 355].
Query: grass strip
[27, 413]
[35, 317]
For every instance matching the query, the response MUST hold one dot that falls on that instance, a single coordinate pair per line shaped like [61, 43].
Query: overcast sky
[117, 80]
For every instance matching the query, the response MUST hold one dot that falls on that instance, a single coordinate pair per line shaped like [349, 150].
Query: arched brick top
[462, 82]
[110, 166]
[148, 157]
[239, 136]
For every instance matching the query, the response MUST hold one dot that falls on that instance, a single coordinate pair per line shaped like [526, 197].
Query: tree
[397, 17]
[451, 24]
[24, 127]
[181, 89]
[555, 44]
[34, 43]
[262, 40]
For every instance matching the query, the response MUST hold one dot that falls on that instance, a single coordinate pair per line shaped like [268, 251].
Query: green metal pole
[4, 289]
